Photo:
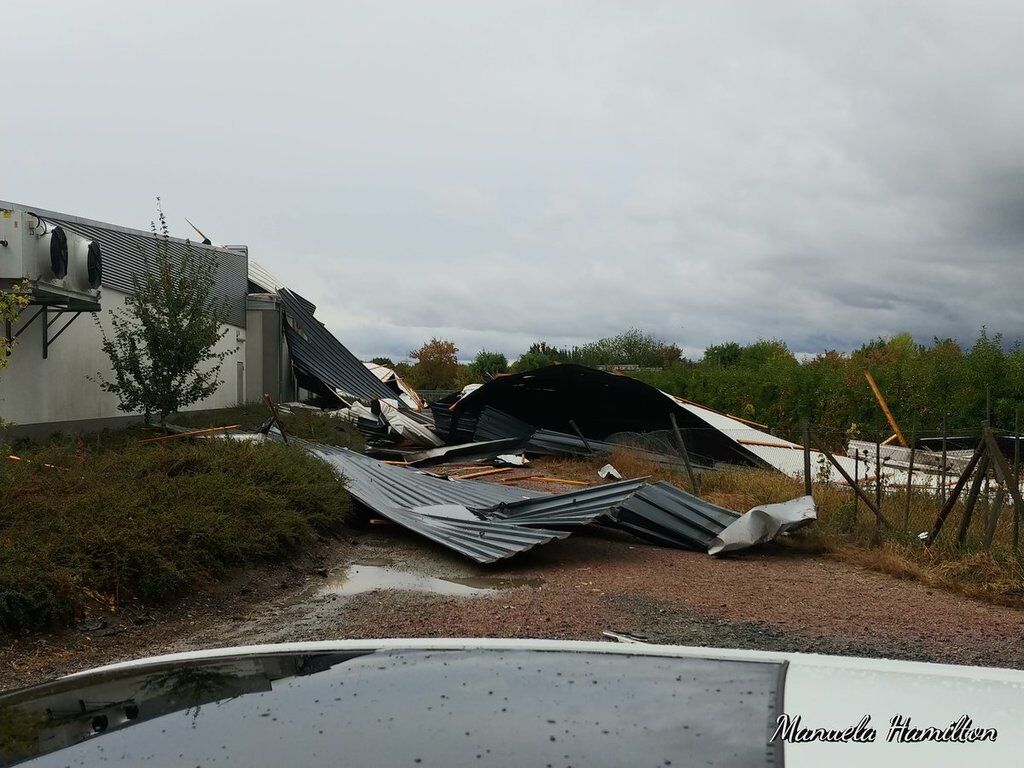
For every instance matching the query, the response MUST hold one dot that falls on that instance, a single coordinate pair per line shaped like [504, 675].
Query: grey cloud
[818, 172]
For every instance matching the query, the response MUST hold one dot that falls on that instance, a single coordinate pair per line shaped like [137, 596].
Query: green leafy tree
[539, 355]
[437, 365]
[162, 349]
[387, 362]
[12, 302]
[487, 364]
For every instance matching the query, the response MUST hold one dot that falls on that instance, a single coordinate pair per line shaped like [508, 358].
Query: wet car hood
[452, 702]
[416, 707]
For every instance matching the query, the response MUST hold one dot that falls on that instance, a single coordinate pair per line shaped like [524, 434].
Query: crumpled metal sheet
[403, 391]
[483, 521]
[484, 541]
[578, 507]
[764, 523]
[670, 516]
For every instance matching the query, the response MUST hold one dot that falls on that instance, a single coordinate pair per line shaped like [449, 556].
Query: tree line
[926, 385]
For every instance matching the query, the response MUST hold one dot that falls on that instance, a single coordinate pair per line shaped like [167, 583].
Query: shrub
[151, 521]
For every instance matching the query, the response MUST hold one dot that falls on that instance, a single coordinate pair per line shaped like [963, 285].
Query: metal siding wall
[125, 254]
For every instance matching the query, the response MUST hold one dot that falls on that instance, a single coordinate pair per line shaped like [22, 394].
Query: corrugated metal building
[81, 271]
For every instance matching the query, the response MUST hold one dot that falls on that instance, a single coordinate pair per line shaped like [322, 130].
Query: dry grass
[847, 529]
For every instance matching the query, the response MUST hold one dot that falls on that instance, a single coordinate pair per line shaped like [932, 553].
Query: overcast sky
[497, 173]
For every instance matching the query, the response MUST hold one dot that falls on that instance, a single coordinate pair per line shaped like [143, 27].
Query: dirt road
[387, 583]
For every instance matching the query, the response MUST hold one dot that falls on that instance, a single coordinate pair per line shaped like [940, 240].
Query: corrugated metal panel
[672, 517]
[510, 520]
[125, 252]
[484, 541]
[572, 508]
[316, 353]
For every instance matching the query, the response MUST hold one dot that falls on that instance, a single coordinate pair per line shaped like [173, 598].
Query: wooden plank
[885, 407]
[482, 473]
[544, 479]
[193, 433]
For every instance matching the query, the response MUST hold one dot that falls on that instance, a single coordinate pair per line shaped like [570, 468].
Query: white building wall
[35, 391]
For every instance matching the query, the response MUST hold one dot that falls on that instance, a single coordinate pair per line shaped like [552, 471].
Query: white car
[473, 702]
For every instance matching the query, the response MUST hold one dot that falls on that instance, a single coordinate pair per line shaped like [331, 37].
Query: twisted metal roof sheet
[672, 517]
[316, 353]
[508, 520]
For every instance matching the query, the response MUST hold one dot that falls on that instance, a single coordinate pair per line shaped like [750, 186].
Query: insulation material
[764, 523]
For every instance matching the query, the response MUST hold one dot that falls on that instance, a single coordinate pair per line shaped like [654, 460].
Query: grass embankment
[848, 532]
[114, 520]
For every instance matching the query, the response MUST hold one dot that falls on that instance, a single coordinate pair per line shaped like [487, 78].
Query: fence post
[878, 486]
[947, 506]
[856, 479]
[846, 476]
[580, 436]
[942, 482]
[910, 476]
[808, 489]
[993, 516]
[972, 499]
[694, 484]
[1016, 478]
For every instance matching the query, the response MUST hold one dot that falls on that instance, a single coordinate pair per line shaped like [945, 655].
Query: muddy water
[379, 574]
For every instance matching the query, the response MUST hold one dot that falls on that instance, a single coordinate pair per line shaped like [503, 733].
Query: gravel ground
[594, 581]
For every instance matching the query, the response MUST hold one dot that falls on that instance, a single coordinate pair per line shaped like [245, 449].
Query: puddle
[368, 575]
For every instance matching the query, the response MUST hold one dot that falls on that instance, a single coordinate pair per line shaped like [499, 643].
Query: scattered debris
[609, 471]
[91, 625]
[515, 460]
[488, 521]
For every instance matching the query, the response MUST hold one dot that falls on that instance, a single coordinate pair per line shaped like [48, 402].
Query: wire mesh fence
[940, 489]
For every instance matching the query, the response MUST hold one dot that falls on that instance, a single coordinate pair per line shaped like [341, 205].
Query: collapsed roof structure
[487, 522]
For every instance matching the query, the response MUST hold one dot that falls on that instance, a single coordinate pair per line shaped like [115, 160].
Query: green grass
[119, 520]
[307, 424]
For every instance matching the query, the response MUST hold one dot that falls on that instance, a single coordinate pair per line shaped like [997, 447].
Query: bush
[151, 521]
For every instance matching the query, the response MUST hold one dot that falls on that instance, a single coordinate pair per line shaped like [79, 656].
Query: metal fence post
[694, 483]
[808, 489]
[910, 476]
[878, 485]
[856, 479]
[1016, 478]
[942, 482]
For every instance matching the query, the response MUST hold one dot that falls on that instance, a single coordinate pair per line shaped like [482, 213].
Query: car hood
[474, 702]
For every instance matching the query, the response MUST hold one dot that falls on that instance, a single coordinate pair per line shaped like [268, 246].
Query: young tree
[487, 364]
[12, 301]
[162, 351]
[437, 364]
